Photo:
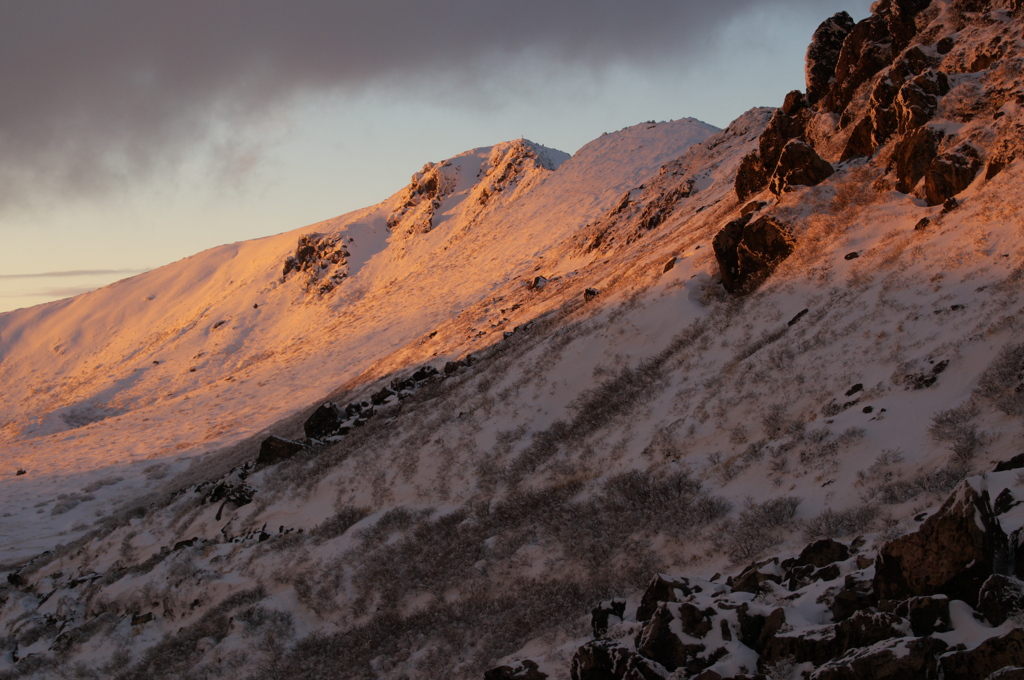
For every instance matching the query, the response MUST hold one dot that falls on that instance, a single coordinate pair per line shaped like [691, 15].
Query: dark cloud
[96, 92]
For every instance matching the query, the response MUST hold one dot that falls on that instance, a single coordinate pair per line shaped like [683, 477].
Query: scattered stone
[851, 256]
[669, 265]
[801, 314]
[538, 283]
[142, 619]
[922, 224]
[20, 471]
[855, 389]
[589, 294]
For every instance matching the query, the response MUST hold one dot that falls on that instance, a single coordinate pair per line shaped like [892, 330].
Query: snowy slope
[202, 353]
[626, 417]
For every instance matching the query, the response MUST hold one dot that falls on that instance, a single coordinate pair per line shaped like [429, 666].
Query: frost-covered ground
[620, 416]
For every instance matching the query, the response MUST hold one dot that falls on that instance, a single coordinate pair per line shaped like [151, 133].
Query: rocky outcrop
[607, 660]
[275, 449]
[950, 173]
[823, 54]
[913, 156]
[321, 260]
[798, 165]
[521, 670]
[953, 552]
[748, 252]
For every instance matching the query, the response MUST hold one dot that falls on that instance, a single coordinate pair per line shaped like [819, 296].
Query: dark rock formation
[748, 252]
[987, 658]
[603, 614]
[606, 660]
[325, 421]
[927, 614]
[751, 176]
[276, 449]
[953, 552]
[657, 640]
[798, 165]
[950, 173]
[522, 670]
[867, 50]
[913, 155]
[899, 659]
[1000, 598]
[664, 588]
[823, 54]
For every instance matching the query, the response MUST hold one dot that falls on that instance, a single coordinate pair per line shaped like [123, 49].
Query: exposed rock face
[987, 658]
[950, 173]
[606, 660]
[913, 156]
[1000, 598]
[324, 421]
[799, 165]
[899, 659]
[823, 54]
[953, 552]
[748, 252]
[322, 259]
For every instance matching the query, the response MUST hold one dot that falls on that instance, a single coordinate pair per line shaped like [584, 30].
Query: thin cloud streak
[74, 272]
[103, 93]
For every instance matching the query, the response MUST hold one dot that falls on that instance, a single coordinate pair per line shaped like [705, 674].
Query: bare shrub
[834, 523]
[758, 527]
[338, 524]
[954, 428]
[1003, 381]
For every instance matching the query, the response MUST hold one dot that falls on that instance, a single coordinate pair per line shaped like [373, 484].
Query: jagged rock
[863, 629]
[752, 207]
[658, 640]
[819, 554]
[901, 659]
[861, 141]
[866, 50]
[590, 293]
[927, 614]
[276, 449]
[794, 103]
[1005, 502]
[779, 131]
[950, 173]
[918, 100]
[607, 660]
[522, 670]
[748, 252]
[538, 283]
[669, 266]
[751, 579]
[453, 366]
[664, 588]
[987, 658]
[858, 593]
[378, 398]
[823, 54]
[953, 553]
[324, 421]
[799, 165]
[899, 18]
[913, 155]
[601, 615]
[142, 619]
[1000, 598]
[949, 205]
[756, 629]
[751, 176]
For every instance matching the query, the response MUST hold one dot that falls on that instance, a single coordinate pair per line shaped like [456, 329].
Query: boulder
[748, 252]
[274, 449]
[799, 165]
[866, 50]
[950, 173]
[823, 54]
[927, 614]
[424, 373]
[779, 131]
[1000, 598]
[607, 660]
[521, 670]
[913, 155]
[819, 554]
[755, 630]
[952, 553]
[918, 100]
[861, 141]
[325, 421]
[858, 593]
[900, 659]
[990, 656]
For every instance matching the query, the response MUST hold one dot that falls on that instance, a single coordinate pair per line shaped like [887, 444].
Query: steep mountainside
[692, 403]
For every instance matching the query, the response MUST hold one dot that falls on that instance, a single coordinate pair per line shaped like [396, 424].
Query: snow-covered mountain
[427, 438]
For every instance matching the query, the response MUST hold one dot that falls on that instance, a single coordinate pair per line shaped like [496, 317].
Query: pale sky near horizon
[132, 135]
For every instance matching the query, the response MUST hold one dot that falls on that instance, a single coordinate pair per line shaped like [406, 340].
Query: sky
[134, 134]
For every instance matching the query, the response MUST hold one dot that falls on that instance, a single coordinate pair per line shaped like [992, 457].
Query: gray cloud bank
[96, 93]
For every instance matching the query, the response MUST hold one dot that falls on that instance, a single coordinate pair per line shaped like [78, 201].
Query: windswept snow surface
[155, 370]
